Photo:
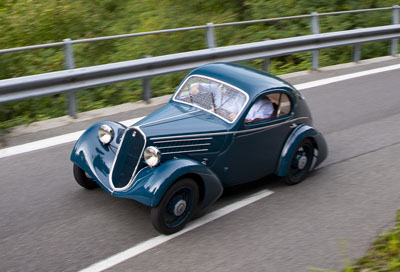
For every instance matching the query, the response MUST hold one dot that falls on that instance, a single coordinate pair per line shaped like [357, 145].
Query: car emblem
[134, 134]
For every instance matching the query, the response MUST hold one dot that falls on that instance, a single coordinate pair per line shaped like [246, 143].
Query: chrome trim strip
[171, 117]
[271, 126]
[172, 141]
[180, 152]
[213, 113]
[137, 164]
[182, 146]
[144, 168]
[229, 132]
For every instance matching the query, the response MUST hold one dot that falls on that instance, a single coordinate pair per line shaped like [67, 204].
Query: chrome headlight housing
[152, 156]
[106, 134]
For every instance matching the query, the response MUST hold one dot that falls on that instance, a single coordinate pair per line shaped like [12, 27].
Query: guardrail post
[69, 63]
[395, 20]
[210, 35]
[266, 62]
[146, 85]
[315, 30]
[357, 51]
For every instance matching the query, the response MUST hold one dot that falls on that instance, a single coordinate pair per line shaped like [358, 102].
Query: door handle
[293, 125]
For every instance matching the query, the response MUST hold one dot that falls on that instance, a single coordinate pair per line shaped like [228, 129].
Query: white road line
[19, 149]
[49, 142]
[156, 241]
[330, 80]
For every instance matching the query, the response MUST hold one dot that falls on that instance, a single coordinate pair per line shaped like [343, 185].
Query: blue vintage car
[225, 125]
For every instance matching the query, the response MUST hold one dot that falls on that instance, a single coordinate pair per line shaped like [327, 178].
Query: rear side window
[270, 106]
[285, 105]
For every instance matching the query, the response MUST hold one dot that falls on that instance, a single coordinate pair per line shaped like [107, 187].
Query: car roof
[248, 79]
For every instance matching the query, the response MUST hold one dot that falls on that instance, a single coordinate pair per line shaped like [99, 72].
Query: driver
[264, 108]
[224, 98]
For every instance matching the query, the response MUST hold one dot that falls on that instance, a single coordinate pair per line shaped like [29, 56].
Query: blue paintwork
[235, 153]
[188, 120]
[94, 157]
[151, 183]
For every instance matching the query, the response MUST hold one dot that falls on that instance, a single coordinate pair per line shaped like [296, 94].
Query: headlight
[106, 134]
[152, 156]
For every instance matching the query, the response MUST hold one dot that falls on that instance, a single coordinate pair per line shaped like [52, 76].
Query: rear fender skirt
[299, 134]
[151, 183]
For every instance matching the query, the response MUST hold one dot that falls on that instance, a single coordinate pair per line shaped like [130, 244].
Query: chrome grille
[128, 158]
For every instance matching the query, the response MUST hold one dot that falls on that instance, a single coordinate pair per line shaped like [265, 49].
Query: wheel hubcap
[180, 207]
[302, 162]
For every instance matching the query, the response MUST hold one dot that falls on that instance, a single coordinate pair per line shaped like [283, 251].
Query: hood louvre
[191, 145]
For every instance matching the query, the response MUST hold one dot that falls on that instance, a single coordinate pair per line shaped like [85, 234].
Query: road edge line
[50, 142]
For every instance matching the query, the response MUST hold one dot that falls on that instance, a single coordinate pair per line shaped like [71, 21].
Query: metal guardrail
[67, 44]
[80, 78]
[210, 35]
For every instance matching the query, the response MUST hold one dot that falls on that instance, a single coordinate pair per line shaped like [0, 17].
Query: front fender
[94, 157]
[299, 134]
[150, 184]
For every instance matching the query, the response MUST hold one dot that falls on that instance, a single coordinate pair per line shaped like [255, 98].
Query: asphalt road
[48, 223]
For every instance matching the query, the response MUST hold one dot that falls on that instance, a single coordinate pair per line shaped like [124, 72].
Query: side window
[285, 106]
[269, 106]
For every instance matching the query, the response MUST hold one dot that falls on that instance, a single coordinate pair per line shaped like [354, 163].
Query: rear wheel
[83, 179]
[176, 207]
[300, 163]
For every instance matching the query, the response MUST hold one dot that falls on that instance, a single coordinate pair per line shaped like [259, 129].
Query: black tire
[300, 163]
[176, 207]
[83, 179]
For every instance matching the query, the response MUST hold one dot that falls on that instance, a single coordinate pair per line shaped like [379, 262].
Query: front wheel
[176, 207]
[83, 179]
[300, 163]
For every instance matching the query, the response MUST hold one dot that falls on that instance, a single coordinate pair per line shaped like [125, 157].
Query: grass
[383, 256]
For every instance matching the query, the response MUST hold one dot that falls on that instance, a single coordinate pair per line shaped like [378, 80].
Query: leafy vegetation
[29, 22]
[383, 256]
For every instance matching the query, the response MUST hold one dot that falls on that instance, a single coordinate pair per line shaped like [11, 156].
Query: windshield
[219, 98]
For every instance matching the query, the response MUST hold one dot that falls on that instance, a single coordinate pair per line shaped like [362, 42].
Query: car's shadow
[238, 192]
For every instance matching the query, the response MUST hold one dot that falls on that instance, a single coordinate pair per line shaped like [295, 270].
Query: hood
[181, 119]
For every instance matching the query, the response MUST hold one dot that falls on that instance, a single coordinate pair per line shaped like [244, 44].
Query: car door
[256, 147]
